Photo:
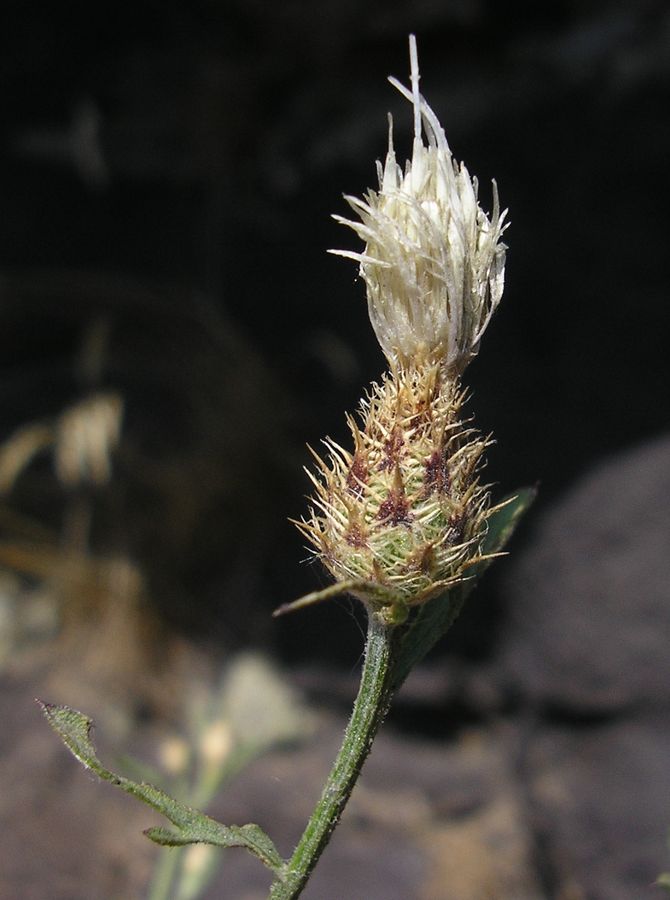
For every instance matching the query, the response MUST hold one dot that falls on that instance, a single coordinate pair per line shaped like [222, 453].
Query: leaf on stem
[434, 618]
[191, 825]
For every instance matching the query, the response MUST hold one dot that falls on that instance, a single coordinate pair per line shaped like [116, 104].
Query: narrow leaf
[165, 837]
[192, 826]
[435, 618]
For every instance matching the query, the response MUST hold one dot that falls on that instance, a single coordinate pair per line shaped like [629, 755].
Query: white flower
[434, 262]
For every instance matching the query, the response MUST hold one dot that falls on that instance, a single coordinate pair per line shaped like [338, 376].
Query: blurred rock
[600, 800]
[586, 655]
[588, 601]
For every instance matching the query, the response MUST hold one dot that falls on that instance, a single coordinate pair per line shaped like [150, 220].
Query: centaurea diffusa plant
[401, 520]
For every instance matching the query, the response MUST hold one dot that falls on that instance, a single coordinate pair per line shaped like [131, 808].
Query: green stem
[370, 708]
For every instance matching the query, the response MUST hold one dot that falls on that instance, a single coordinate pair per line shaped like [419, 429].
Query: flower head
[403, 517]
[433, 262]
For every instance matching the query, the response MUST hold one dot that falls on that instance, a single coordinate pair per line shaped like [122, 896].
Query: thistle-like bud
[402, 517]
[399, 520]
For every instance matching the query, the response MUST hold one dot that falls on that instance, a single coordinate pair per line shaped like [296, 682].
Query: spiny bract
[400, 519]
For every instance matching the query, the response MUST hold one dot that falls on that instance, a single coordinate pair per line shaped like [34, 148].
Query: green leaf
[437, 616]
[191, 825]
[663, 881]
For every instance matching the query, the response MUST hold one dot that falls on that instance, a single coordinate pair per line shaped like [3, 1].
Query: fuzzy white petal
[433, 262]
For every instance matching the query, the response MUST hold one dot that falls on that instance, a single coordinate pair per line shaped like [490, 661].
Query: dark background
[167, 176]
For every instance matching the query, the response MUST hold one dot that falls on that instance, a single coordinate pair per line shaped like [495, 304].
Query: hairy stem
[370, 708]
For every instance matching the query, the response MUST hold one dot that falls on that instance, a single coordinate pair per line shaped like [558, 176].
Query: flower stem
[370, 708]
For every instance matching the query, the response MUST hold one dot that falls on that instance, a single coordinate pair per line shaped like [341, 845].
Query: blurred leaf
[192, 826]
[435, 618]
[663, 881]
